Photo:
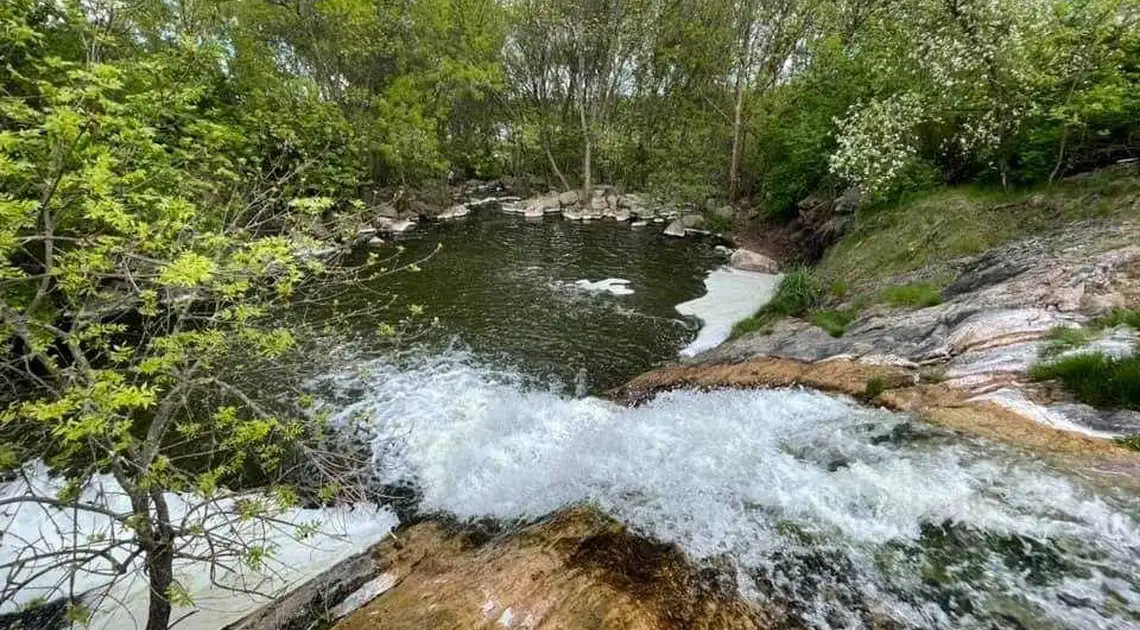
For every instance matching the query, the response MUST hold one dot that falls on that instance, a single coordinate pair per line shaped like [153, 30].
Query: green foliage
[834, 322]
[935, 227]
[1064, 338]
[1130, 442]
[914, 294]
[875, 387]
[1120, 317]
[1096, 379]
[799, 291]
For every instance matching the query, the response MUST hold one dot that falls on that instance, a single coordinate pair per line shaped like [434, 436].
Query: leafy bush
[1096, 379]
[834, 322]
[915, 294]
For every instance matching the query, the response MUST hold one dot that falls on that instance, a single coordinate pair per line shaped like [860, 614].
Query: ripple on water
[842, 513]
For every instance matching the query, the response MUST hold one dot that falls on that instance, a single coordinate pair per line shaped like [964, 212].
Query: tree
[148, 244]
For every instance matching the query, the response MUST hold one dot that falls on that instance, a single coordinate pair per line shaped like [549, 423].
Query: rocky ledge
[574, 570]
[964, 363]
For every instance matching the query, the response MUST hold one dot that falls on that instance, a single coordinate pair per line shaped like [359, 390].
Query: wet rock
[376, 241]
[639, 224]
[622, 215]
[541, 206]
[386, 211]
[396, 226]
[454, 212]
[675, 229]
[575, 570]
[747, 260]
[692, 221]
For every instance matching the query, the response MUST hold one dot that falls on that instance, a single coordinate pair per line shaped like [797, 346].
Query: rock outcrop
[576, 570]
[963, 363]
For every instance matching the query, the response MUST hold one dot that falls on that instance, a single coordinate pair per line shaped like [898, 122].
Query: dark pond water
[508, 290]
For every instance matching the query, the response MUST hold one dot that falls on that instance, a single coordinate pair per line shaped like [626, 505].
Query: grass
[798, 293]
[945, 224]
[1096, 379]
[875, 388]
[1062, 339]
[1120, 317]
[1131, 442]
[834, 322]
[915, 295]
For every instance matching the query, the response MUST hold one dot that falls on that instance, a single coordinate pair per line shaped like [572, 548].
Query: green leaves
[189, 270]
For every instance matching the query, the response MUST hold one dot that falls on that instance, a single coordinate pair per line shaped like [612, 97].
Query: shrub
[875, 388]
[1131, 442]
[1096, 379]
[915, 294]
[834, 322]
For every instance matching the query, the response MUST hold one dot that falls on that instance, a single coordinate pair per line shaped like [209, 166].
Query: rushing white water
[732, 295]
[839, 513]
[29, 528]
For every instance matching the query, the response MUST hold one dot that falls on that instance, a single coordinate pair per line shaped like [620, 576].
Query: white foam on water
[803, 488]
[731, 296]
[344, 532]
[613, 286]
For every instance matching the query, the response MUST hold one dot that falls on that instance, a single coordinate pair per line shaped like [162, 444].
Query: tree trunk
[160, 569]
[160, 566]
[737, 142]
[583, 93]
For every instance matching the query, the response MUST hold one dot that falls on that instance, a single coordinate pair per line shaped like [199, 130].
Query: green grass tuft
[915, 294]
[1063, 339]
[798, 292]
[1096, 379]
[1131, 442]
[875, 388]
[834, 322]
[1120, 317]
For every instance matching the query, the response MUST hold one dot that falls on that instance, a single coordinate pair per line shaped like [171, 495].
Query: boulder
[622, 215]
[727, 213]
[395, 227]
[534, 212]
[571, 215]
[639, 224]
[692, 221]
[542, 205]
[366, 232]
[675, 229]
[612, 202]
[375, 241]
[454, 212]
[569, 198]
[748, 260]
[598, 204]
[387, 211]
